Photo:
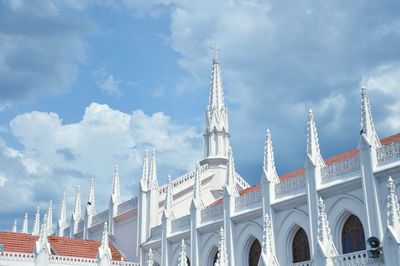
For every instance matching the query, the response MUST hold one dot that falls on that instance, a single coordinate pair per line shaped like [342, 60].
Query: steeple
[62, 219]
[222, 259]
[115, 186]
[367, 123]
[150, 260]
[230, 176]
[25, 224]
[269, 160]
[91, 202]
[144, 180]
[14, 228]
[169, 204]
[36, 226]
[216, 134]
[153, 171]
[313, 150]
[393, 207]
[77, 207]
[182, 255]
[50, 219]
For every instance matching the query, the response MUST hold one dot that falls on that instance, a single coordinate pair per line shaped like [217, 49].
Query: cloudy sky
[86, 84]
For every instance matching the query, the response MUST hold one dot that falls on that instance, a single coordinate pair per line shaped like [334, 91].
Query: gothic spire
[216, 98]
[169, 204]
[393, 207]
[367, 123]
[182, 255]
[222, 259]
[62, 219]
[230, 177]
[14, 228]
[25, 224]
[145, 171]
[104, 250]
[91, 202]
[115, 185]
[50, 219]
[44, 231]
[150, 260]
[313, 150]
[153, 170]
[77, 207]
[269, 160]
[36, 225]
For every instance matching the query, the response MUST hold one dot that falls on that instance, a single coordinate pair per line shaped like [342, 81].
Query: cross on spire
[216, 50]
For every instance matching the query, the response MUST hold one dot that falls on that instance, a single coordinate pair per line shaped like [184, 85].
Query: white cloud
[385, 79]
[56, 157]
[110, 86]
[3, 180]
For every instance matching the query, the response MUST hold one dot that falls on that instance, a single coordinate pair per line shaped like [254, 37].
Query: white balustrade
[291, 185]
[100, 218]
[388, 153]
[356, 258]
[155, 231]
[248, 199]
[339, 169]
[303, 263]
[127, 206]
[212, 212]
[241, 181]
[124, 263]
[17, 256]
[183, 179]
[181, 223]
[56, 259]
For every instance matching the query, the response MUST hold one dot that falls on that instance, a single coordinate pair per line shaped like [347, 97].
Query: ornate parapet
[248, 199]
[290, 185]
[339, 169]
[212, 212]
[388, 153]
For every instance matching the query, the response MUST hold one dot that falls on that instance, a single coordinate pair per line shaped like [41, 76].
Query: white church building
[322, 214]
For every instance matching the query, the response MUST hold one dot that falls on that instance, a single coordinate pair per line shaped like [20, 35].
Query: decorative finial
[25, 224]
[91, 202]
[367, 123]
[182, 255]
[36, 226]
[313, 150]
[50, 219]
[14, 228]
[222, 259]
[216, 50]
[393, 207]
[324, 232]
[168, 207]
[269, 160]
[150, 261]
[115, 186]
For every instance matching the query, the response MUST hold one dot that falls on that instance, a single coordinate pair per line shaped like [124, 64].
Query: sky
[87, 84]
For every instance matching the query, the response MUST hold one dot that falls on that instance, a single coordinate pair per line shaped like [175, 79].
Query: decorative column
[167, 217]
[391, 240]
[182, 255]
[313, 165]
[326, 249]
[195, 215]
[268, 181]
[229, 194]
[268, 257]
[222, 259]
[368, 144]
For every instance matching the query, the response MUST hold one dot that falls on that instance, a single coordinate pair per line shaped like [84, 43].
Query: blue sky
[88, 84]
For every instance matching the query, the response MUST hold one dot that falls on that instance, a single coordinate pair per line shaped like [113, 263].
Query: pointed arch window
[300, 247]
[353, 238]
[215, 258]
[254, 253]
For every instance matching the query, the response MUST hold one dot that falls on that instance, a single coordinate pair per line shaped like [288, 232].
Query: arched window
[300, 247]
[254, 253]
[353, 238]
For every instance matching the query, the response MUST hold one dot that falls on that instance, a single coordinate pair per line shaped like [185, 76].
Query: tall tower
[216, 134]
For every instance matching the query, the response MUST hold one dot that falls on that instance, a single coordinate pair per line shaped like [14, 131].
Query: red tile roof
[334, 159]
[25, 243]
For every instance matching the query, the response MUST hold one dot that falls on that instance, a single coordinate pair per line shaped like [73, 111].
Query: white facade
[213, 209]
